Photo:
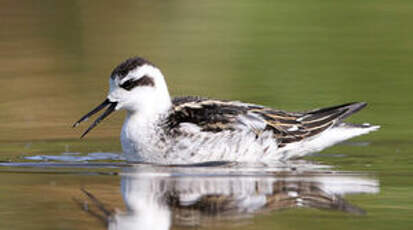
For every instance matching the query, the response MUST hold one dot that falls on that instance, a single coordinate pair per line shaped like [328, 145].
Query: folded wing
[211, 115]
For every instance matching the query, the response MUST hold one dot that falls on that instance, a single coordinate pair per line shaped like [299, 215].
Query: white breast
[141, 140]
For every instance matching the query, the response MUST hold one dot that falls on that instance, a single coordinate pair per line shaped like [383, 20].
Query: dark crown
[125, 67]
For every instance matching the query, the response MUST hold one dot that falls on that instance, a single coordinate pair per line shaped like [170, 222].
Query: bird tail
[326, 136]
[340, 111]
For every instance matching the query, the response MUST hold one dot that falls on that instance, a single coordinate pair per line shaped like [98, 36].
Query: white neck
[145, 106]
[151, 110]
[139, 136]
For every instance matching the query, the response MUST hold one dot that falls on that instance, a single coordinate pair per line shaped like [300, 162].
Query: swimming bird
[190, 129]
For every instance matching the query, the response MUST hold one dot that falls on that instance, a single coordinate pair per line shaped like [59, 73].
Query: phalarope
[191, 129]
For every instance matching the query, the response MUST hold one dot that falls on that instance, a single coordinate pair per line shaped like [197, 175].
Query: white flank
[325, 139]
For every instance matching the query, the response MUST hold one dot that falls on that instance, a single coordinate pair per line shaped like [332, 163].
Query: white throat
[145, 106]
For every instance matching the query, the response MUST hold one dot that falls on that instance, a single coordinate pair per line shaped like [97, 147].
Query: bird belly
[221, 146]
[242, 146]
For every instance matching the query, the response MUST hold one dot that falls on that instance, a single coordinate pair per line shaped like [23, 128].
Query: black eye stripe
[128, 85]
[143, 81]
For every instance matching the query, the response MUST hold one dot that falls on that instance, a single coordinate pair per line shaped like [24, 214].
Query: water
[56, 58]
[159, 197]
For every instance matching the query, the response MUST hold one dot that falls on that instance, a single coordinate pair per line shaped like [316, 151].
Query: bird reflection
[159, 197]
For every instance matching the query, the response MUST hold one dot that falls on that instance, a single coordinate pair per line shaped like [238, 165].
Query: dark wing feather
[293, 127]
[208, 114]
[177, 101]
[216, 115]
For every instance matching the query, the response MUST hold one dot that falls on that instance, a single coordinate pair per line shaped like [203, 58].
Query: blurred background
[56, 57]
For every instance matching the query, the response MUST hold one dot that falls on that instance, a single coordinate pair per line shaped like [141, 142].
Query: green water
[56, 57]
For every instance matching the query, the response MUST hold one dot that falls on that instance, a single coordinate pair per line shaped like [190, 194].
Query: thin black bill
[109, 110]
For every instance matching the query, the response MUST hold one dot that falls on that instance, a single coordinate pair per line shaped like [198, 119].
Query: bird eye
[132, 83]
[128, 85]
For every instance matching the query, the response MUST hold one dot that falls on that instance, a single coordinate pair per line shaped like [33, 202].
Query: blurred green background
[56, 57]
